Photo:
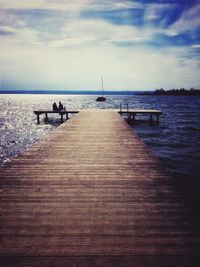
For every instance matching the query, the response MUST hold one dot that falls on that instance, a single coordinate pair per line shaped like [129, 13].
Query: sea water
[176, 140]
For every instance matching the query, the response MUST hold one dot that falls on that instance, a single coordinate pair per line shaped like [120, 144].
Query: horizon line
[94, 92]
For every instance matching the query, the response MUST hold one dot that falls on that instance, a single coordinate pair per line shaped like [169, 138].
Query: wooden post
[127, 110]
[158, 117]
[61, 117]
[127, 107]
[46, 116]
[67, 116]
[151, 117]
[38, 118]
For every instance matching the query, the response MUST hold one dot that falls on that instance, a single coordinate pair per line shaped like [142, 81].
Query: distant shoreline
[173, 92]
[68, 92]
[158, 92]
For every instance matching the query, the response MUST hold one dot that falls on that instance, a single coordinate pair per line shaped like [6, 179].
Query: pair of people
[55, 107]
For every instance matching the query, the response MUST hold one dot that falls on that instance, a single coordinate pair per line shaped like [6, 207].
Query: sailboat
[101, 98]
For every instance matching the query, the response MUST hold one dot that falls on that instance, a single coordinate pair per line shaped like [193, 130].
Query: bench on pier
[60, 112]
[131, 113]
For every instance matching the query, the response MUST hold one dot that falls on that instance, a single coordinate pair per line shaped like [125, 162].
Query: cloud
[70, 5]
[189, 20]
[10, 19]
[196, 46]
[20, 4]
[97, 33]
[80, 67]
[54, 28]
[164, 14]
[156, 10]
[6, 30]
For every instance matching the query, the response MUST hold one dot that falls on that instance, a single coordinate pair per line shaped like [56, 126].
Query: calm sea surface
[176, 141]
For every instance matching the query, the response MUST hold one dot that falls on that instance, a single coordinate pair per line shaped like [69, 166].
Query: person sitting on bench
[55, 108]
[60, 106]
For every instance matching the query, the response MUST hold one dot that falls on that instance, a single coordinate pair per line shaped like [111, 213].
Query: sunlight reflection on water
[176, 141]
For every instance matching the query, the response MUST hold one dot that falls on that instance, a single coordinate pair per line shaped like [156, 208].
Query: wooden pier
[92, 194]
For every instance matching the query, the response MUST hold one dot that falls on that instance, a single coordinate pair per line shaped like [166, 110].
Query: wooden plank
[99, 261]
[92, 194]
[142, 111]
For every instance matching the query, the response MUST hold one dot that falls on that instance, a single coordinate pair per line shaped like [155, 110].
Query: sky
[70, 44]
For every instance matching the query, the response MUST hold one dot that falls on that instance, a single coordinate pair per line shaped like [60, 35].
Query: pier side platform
[92, 194]
[59, 112]
[132, 113]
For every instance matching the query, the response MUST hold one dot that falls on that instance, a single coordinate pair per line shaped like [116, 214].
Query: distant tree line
[177, 92]
[181, 91]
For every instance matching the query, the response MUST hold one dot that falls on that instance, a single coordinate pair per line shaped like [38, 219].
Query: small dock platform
[132, 113]
[92, 194]
[60, 112]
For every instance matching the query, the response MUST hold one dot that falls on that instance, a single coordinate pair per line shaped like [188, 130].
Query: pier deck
[92, 194]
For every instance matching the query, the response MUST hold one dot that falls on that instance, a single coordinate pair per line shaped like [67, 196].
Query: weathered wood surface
[92, 194]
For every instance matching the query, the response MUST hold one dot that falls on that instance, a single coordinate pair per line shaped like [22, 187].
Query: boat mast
[102, 84]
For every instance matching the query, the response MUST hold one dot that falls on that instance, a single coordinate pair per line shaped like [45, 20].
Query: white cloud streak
[90, 31]
[189, 20]
[70, 5]
[153, 11]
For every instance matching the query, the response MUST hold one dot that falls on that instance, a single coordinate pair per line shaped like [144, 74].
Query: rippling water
[176, 141]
